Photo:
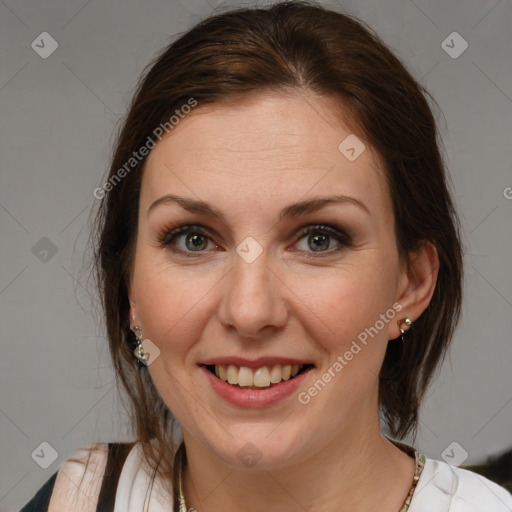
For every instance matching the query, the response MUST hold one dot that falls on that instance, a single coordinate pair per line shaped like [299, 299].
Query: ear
[417, 283]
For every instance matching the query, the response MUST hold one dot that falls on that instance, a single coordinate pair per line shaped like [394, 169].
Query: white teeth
[275, 374]
[261, 377]
[245, 376]
[232, 374]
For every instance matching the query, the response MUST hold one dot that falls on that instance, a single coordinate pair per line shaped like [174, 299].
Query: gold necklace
[182, 504]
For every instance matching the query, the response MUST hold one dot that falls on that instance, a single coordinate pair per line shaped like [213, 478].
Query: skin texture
[251, 159]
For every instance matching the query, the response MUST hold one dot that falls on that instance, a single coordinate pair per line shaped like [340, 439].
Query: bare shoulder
[79, 479]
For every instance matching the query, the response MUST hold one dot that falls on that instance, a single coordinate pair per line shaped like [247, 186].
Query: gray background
[57, 119]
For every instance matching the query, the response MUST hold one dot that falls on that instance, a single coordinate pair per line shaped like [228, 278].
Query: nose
[253, 301]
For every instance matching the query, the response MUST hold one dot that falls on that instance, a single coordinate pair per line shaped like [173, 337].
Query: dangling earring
[407, 322]
[139, 349]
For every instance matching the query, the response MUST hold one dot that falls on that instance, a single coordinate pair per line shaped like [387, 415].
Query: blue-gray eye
[195, 241]
[319, 239]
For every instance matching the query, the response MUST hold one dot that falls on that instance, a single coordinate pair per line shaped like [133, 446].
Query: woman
[280, 266]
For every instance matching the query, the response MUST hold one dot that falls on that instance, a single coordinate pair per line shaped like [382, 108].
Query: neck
[358, 471]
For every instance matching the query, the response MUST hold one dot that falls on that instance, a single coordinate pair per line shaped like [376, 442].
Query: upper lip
[253, 363]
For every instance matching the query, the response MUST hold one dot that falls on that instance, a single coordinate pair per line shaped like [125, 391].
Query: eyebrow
[290, 211]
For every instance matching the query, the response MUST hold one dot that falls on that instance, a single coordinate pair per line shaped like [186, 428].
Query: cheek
[172, 307]
[171, 303]
[346, 308]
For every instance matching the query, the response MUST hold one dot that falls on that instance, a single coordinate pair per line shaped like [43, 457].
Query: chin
[255, 450]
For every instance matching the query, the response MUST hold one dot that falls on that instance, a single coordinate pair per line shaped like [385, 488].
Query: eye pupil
[197, 241]
[320, 242]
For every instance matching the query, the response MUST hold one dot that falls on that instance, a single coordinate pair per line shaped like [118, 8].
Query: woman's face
[262, 280]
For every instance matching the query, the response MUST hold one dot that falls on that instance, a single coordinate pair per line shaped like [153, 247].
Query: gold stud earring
[407, 322]
[404, 325]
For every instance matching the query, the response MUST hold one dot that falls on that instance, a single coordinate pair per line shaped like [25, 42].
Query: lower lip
[254, 397]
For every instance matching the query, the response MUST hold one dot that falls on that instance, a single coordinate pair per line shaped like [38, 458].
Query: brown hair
[290, 47]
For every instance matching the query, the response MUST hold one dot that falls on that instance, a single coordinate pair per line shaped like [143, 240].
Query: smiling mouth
[261, 378]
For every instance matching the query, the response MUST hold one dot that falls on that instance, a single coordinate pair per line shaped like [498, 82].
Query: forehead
[266, 147]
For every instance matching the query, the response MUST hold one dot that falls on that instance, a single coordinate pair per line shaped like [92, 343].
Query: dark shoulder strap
[117, 453]
[41, 500]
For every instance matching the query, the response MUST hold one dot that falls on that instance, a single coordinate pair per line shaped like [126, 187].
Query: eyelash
[168, 236]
